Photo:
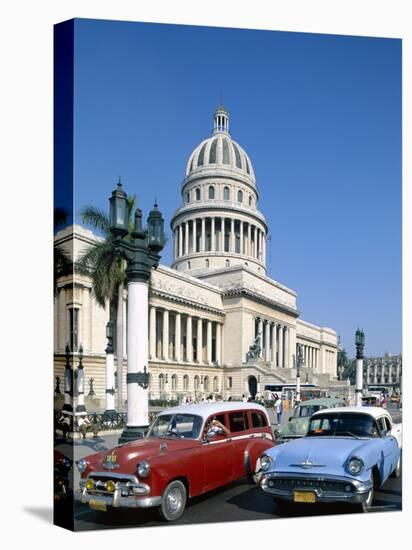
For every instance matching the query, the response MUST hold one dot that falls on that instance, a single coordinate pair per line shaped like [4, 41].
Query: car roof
[206, 409]
[322, 401]
[371, 411]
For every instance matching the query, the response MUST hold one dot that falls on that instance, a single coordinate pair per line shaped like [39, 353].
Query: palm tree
[63, 265]
[108, 273]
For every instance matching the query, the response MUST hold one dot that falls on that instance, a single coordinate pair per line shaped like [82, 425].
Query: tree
[108, 273]
[63, 264]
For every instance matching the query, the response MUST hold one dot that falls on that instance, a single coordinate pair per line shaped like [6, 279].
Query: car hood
[124, 458]
[326, 454]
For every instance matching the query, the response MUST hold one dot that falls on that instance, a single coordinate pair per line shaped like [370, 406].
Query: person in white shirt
[85, 425]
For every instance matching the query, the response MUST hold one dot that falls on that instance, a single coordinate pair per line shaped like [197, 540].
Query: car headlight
[81, 465]
[355, 466]
[265, 462]
[143, 469]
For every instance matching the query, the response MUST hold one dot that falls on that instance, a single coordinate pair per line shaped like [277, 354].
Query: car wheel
[367, 504]
[397, 471]
[173, 501]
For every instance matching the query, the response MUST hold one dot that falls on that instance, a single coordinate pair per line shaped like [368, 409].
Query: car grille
[291, 484]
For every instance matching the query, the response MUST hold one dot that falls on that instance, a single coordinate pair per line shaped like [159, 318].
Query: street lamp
[141, 252]
[80, 383]
[110, 410]
[298, 367]
[359, 343]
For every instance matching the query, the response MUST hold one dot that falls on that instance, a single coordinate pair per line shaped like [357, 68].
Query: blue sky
[320, 117]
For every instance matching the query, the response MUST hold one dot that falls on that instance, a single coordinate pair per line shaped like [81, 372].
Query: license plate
[304, 496]
[97, 504]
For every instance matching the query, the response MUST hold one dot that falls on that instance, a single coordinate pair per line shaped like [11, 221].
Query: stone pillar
[152, 345]
[165, 343]
[186, 238]
[189, 341]
[110, 407]
[222, 234]
[255, 247]
[267, 341]
[180, 240]
[274, 347]
[178, 337]
[199, 341]
[203, 236]
[280, 346]
[260, 332]
[232, 245]
[286, 350]
[63, 336]
[218, 343]
[249, 240]
[212, 235]
[241, 249]
[264, 248]
[209, 342]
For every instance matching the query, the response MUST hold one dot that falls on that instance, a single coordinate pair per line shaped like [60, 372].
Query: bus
[288, 391]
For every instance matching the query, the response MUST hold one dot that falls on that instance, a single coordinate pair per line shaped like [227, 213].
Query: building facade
[385, 372]
[217, 323]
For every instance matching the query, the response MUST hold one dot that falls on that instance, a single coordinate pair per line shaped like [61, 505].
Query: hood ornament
[307, 464]
[110, 461]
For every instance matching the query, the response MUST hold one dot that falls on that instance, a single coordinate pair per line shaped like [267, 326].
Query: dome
[220, 153]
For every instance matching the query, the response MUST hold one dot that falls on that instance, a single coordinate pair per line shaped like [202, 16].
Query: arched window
[188, 197]
[201, 158]
[247, 166]
[185, 382]
[226, 193]
[226, 157]
[212, 154]
[174, 382]
[211, 192]
[227, 263]
[197, 192]
[250, 200]
[206, 383]
[240, 196]
[196, 383]
[237, 157]
[161, 382]
[189, 264]
[207, 263]
[215, 383]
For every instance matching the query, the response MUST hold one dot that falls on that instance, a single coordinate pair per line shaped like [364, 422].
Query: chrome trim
[117, 501]
[359, 494]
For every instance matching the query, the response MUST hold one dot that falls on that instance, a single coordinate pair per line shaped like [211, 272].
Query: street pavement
[235, 502]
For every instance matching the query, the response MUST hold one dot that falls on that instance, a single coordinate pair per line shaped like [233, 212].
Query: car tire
[397, 471]
[173, 501]
[367, 504]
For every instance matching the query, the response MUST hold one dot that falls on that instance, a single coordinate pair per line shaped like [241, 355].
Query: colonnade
[219, 234]
[310, 356]
[174, 336]
[382, 373]
[275, 342]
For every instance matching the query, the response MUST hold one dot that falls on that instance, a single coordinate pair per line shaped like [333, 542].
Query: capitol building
[217, 323]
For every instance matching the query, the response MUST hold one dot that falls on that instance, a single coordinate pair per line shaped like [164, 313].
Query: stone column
[260, 331]
[280, 346]
[286, 350]
[186, 237]
[178, 337]
[218, 343]
[249, 240]
[152, 332]
[264, 248]
[232, 245]
[209, 342]
[255, 248]
[189, 341]
[110, 407]
[274, 347]
[165, 343]
[63, 336]
[212, 235]
[241, 249]
[222, 234]
[199, 341]
[267, 341]
[180, 240]
[203, 236]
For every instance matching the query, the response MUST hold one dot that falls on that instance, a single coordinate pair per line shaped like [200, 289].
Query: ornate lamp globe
[118, 212]
[155, 229]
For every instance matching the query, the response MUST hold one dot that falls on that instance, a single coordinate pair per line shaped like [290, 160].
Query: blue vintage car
[346, 454]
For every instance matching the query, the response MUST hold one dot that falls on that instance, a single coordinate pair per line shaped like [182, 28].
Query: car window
[181, 425]
[343, 424]
[238, 421]
[388, 424]
[307, 410]
[258, 420]
[381, 425]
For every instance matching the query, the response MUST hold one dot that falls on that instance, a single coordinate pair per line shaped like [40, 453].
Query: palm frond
[96, 218]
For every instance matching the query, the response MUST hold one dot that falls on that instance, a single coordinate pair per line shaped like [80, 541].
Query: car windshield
[307, 410]
[176, 425]
[343, 424]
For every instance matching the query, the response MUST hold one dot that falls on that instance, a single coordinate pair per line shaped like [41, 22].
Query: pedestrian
[278, 409]
[64, 424]
[85, 425]
[244, 399]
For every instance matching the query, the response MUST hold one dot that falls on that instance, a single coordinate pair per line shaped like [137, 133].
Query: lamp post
[359, 343]
[141, 251]
[110, 409]
[80, 383]
[68, 383]
[298, 366]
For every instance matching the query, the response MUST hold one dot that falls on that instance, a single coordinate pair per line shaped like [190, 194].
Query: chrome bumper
[326, 487]
[128, 493]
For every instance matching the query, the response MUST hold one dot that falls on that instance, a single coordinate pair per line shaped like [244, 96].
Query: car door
[241, 435]
[217, 457]
[390, 448]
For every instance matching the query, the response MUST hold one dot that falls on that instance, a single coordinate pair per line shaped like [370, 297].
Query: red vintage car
[188, 450]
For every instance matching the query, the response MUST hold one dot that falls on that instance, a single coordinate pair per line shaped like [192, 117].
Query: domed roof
[220, 153]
